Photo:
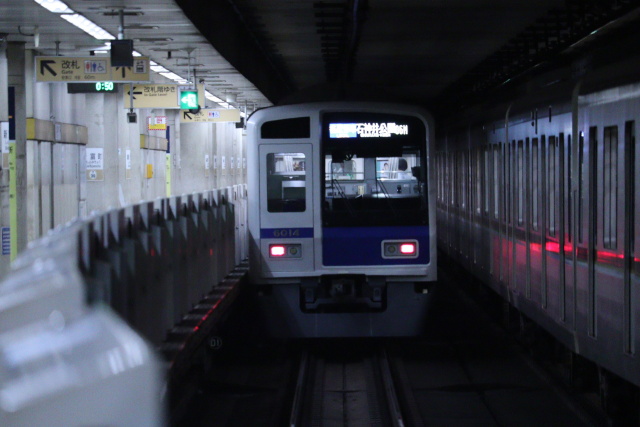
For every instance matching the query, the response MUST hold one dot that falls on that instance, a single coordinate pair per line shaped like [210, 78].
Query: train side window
[552, 193]
[535, 184]
[580, 187]
[569, 183]
[610, 187]
[463, 180]
[520, 177]
[630, 171]
[487, 181]
[496, 180]
[478, 178]
[286, 184]
[593, 185]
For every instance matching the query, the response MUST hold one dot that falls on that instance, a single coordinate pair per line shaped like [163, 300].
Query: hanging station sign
[68, 69]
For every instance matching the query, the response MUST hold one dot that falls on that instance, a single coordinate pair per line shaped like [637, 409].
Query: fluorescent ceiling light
[212, 97]
[87, 26]
[171, 76]
[159, 69]
[55, 6]
[136, 53]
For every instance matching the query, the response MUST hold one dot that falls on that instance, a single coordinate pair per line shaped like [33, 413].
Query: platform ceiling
[424, 52]
[428, 52]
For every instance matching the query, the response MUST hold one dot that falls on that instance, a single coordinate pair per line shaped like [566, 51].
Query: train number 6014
[287, 232]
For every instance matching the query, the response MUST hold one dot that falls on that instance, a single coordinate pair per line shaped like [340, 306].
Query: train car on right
[539, 198]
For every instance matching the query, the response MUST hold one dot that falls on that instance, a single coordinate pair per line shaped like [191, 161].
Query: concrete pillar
[18, 184]
[5, 260]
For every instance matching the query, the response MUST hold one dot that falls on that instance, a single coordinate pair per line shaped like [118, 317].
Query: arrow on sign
[44, 64]
[134, 92]
[124, 70]
[186, 115]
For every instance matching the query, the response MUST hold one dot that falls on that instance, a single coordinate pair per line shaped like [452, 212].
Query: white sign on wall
[127, 164]
[95, 164]
[215, 161]
[4, 144]
[224, 162]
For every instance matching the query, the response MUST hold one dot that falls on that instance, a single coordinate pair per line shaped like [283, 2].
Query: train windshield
[374, 176]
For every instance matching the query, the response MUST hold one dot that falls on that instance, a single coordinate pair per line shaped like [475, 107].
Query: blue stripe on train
[363, 245]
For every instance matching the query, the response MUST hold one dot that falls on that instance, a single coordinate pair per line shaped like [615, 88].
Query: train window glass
[569, 181]
[552, 194]
[580, 186]
[593, 186]
[507, 180]
[452, 180]
[630, 172]
[352, 169]
[520, 177]
[487, 181]
[535, 184]
[299, 127]
[463, 180]
[610, 187]
[496, 181]
[368, 189]
[478, 178]
[286, 183]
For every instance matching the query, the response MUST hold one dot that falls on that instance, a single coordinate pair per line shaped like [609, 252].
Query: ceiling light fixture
[55, 6]
[87, 26]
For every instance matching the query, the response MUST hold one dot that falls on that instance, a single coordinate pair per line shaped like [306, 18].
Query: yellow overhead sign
[89, 69]
[156, 95]
[209, 116]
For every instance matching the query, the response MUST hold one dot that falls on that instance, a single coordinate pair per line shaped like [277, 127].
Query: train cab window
[286, 182]
[610, 187]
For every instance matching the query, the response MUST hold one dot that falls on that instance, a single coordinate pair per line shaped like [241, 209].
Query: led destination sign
[367, 130]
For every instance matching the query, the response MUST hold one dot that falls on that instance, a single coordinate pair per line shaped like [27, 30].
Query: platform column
[5, 260]
[15, 200]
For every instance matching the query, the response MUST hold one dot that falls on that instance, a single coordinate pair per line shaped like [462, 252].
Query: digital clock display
[104, 86]
[97, 87]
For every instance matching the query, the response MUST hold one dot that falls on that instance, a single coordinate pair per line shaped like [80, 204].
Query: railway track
[346, 388]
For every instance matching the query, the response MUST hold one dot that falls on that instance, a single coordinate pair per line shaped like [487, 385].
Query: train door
[568, 215]
[286, 207]
[552, 246]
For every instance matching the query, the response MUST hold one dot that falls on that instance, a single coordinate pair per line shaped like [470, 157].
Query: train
[539, 199]
[342, 225]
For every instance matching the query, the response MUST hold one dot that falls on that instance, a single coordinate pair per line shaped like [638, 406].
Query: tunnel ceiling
[423, 52]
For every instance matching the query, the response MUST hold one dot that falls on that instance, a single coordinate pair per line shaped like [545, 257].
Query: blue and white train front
[342, 222]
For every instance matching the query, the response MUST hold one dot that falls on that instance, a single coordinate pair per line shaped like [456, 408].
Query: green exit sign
[188, 99]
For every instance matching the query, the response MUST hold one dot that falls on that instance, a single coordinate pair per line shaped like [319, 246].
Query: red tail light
[277, 250]
[408, 248]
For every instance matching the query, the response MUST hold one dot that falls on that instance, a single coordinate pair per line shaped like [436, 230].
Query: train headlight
[399, 249]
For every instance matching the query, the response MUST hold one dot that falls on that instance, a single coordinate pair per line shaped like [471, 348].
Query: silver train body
[342, 218]
[542, 204]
